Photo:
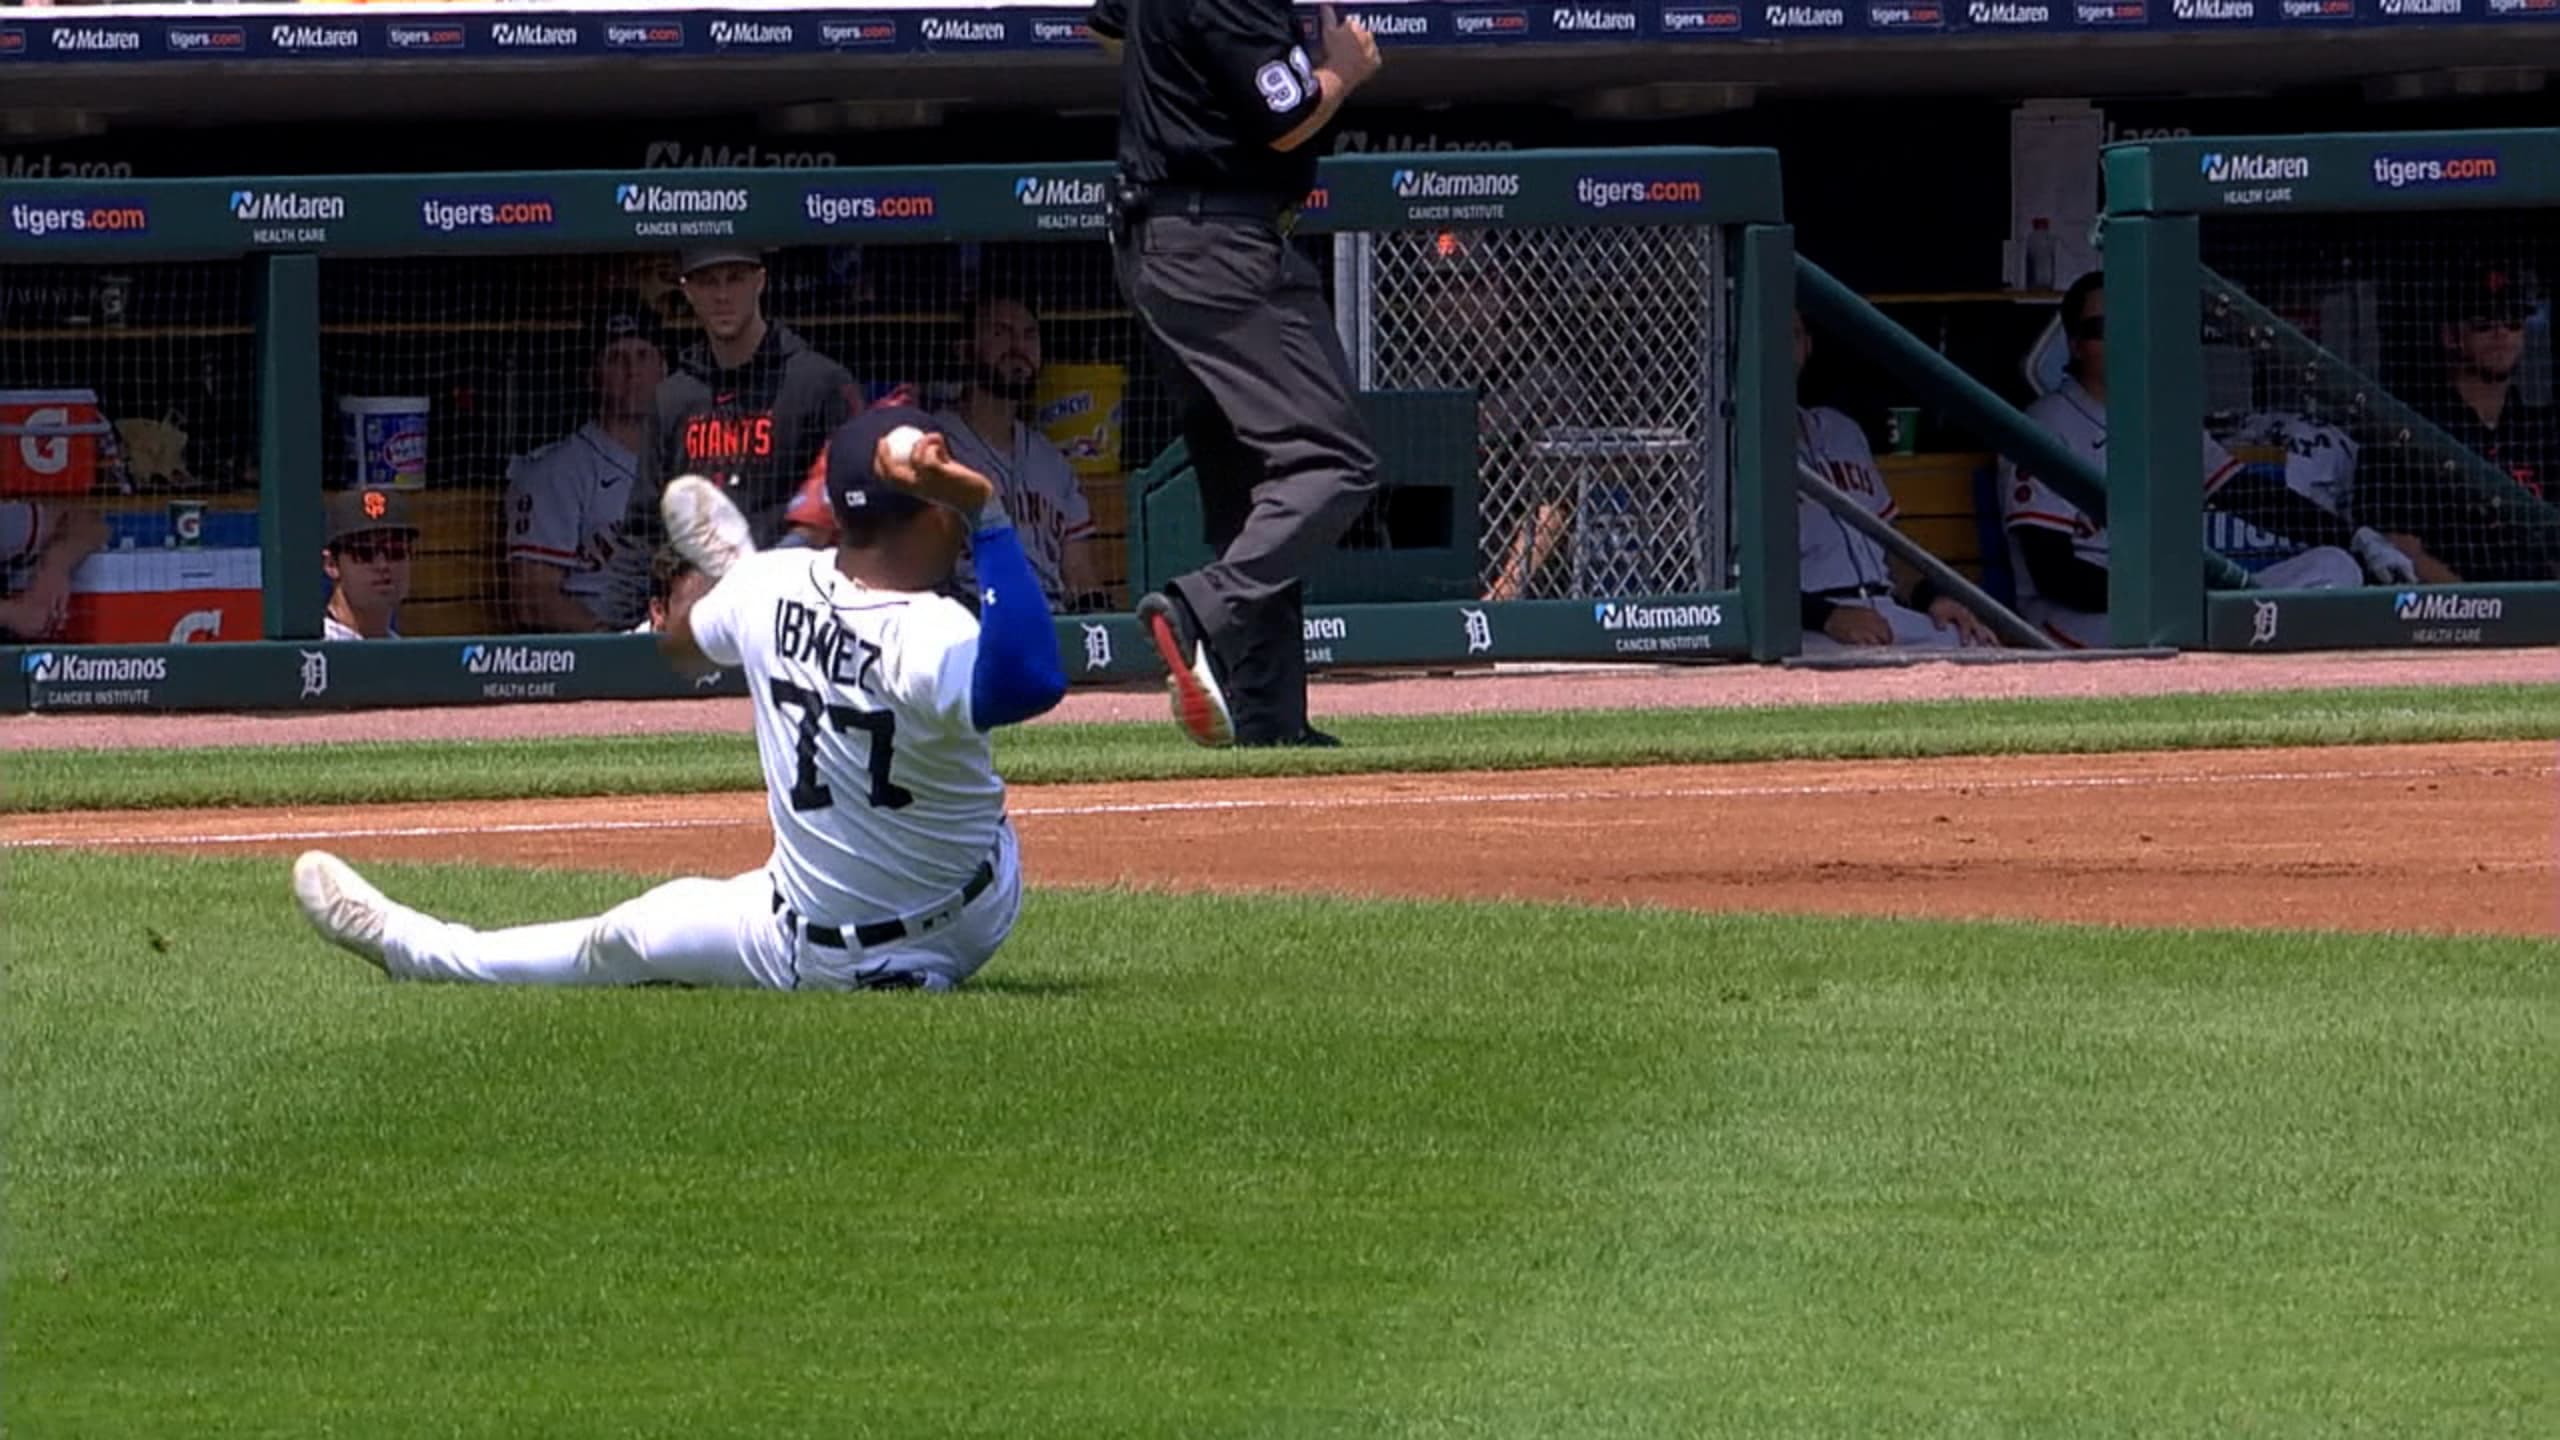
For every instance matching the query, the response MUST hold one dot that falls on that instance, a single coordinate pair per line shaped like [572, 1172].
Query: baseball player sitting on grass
[893, 866]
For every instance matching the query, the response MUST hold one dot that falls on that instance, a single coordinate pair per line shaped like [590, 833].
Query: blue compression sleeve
[1018, 675]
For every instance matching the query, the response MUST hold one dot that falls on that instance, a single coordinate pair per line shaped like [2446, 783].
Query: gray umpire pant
[1284, 462]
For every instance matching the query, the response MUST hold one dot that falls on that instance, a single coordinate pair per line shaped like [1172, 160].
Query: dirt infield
[1510, 688]
[2435, 838]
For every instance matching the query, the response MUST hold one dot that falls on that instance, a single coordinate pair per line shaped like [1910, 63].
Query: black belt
[1158, 201]
[877, 932]
[1855, 592]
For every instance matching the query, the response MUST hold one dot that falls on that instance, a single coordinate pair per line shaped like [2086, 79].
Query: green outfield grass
[457, 770]
[1190, 1167]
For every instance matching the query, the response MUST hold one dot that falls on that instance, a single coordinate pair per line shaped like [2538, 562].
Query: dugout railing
[2319, 291]
[1632, 498]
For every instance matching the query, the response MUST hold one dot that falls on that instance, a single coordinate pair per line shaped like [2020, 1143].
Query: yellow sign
[1078, 408]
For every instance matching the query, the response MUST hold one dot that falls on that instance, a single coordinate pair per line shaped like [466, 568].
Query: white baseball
[903, 442]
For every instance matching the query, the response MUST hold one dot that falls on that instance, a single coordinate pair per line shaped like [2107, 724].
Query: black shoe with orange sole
[1191, 675]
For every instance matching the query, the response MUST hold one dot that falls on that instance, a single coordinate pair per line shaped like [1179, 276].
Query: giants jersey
[1039, 491]
[882, 791]
[565, 505]
[1830, 555]
[2079, 421]
[753, 430]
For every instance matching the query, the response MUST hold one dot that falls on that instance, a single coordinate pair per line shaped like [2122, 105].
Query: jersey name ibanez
[883, 793]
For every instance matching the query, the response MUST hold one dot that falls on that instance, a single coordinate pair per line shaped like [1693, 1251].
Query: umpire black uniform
[1219, 109]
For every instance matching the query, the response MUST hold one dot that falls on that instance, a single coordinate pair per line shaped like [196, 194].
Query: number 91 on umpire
[1220, 106]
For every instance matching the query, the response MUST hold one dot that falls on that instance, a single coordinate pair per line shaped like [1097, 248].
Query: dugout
[1876, 134]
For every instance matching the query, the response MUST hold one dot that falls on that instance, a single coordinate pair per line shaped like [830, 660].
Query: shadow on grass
[1028, 987]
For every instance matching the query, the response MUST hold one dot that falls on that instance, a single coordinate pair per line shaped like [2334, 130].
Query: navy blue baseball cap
[853, 486]
[627, 317]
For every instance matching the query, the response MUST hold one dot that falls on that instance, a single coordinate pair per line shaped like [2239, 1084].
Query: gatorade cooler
[51, 441]
[386, 441]
[1078, 408]
[166, 597]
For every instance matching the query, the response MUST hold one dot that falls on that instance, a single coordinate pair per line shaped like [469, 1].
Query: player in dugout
[40, 546]
[570, 565]
[366, 556]
[2472, 396]
[2060, 551]
[750, 407]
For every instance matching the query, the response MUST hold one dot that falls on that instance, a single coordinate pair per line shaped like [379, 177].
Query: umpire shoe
[1310, 738]
[1191, 673]
[341, 905]
[704, 526]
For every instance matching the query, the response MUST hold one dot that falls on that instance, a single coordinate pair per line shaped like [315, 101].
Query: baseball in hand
[902, 444]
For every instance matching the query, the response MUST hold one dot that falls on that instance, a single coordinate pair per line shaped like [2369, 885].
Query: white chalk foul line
[367, 832]
[1327, 802]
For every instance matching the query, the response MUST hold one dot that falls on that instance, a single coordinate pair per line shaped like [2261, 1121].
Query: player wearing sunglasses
[367, 560]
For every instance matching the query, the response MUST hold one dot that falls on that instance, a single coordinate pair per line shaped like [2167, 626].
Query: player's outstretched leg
[690, 932]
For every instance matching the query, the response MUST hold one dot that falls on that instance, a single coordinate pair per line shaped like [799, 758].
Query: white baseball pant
[707, 933]
[2324, 568]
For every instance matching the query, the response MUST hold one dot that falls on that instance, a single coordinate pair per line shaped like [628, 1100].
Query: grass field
[42, 780]
[1188, 1167]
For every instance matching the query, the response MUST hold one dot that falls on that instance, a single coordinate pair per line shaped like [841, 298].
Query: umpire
[1219, 106]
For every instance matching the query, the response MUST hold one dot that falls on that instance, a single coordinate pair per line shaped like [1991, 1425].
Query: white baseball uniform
[888, 816]
[2319, 458]
[2079, 420]
[333, 628]
[1039, 490]
[1841, 564]
[2319, 465]
[565, 507]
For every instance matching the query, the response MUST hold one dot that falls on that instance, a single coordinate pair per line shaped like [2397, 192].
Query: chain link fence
[1601, 362]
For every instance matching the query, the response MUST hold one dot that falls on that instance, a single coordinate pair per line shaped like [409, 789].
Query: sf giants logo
[719, 437]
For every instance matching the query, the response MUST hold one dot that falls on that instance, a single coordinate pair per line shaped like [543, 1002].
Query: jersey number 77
[808, 792]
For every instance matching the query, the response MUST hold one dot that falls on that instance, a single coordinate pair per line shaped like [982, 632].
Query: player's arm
[541, 606]
[1253, 50]
[1532, 545]
[60, 537]
[702, 633]
[1016, 675]
[2061, 576]
[1921, 593]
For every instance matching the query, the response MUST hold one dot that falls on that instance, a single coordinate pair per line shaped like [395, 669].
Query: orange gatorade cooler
[50, 441]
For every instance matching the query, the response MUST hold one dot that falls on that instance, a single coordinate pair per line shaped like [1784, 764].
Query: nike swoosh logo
[610, 481]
